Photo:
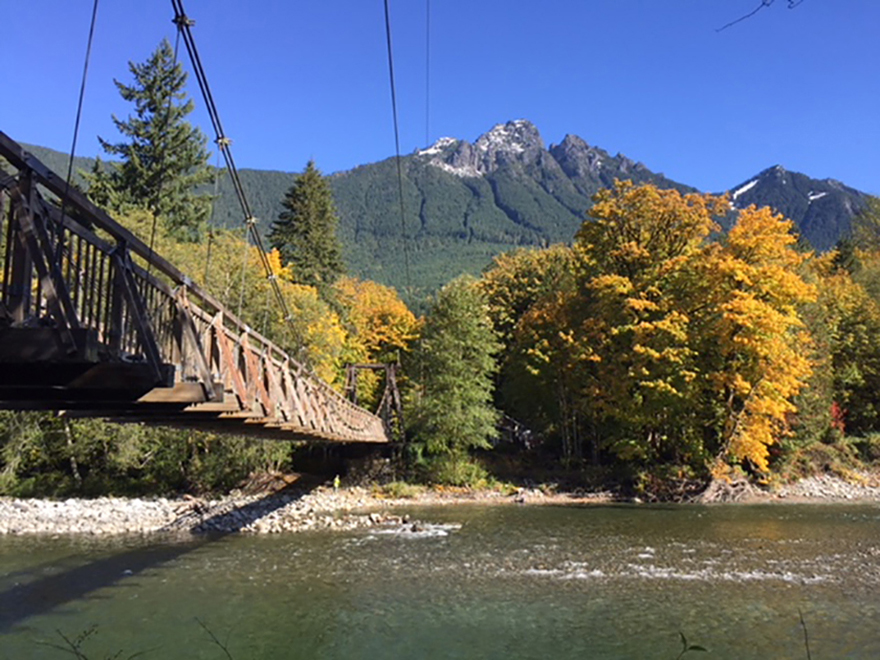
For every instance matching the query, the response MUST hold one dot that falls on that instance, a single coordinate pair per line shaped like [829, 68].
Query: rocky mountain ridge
[519, 143]
[467, 201]
[822, 209]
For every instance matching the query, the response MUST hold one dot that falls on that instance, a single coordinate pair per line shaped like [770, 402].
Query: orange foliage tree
[674, 348]
[380, 327]
[758, 339]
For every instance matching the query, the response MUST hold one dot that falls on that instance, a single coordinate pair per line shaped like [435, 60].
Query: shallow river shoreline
[329, 508]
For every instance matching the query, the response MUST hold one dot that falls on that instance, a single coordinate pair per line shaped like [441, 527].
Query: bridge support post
[138, 311]
[189, 335]
[18, 266]
[390, 407]
[33, 237]
[117, 315]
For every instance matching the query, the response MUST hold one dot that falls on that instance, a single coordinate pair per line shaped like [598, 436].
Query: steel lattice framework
[85, 329]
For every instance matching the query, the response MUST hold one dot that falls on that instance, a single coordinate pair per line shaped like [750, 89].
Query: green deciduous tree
[528, 293]
[454, 412]
[163, 157]
[305, 232]
[852, 320]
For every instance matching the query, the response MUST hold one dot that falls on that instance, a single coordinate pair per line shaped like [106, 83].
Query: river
[599, 581]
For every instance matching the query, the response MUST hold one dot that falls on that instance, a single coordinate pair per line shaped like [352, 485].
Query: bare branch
[764, 3]
[214, 639]
[806, 636]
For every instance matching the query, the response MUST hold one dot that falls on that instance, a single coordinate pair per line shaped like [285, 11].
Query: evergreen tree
[164, 157]
[866, 226]
[305, 232]
[458, 347]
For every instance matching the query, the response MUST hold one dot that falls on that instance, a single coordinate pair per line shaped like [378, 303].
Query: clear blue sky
[648, 78]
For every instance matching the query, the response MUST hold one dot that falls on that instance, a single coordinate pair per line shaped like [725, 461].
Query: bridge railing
[80, 272]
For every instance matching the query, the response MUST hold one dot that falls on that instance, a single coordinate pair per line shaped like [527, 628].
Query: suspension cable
[397, 146]
[211, 222]
[246, 248]
[79, 106]
[427, 73]
[224, 144]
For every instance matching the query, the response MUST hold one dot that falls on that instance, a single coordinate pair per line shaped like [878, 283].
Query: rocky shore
[825, 487]
[327, 508]
[322, 508]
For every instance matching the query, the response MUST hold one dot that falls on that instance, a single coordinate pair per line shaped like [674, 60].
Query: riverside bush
[868, 448]
[458, 470]
[400, 490]
[838, 458]
[43, 455]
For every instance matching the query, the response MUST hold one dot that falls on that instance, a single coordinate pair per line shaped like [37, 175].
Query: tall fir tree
[458, 347]
[164, 158]
[305, 231]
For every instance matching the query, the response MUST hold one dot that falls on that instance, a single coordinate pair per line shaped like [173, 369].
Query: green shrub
[868, 448]
[400, 490]
[458, 470]
[838, 458]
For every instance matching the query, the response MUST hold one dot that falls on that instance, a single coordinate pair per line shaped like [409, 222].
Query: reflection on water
[473, 582]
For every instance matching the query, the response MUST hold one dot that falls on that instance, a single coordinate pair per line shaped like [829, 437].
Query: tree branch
[214, 639]
[764, 3]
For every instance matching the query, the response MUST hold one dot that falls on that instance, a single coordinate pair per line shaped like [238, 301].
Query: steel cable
[397, 146]
[76, 123]
[224, 144]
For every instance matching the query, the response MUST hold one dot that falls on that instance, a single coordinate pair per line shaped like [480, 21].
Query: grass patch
[398, 490]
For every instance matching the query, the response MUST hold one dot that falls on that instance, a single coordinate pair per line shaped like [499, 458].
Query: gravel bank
[826, 487]
[286, 511]
[274, 513]
[323, 508]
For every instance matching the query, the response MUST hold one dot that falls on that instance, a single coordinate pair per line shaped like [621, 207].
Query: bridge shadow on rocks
[43, 588]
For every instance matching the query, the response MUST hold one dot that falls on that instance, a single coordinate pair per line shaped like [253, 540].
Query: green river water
[599, 581]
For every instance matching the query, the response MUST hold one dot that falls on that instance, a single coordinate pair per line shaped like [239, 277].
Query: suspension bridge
[95, 323]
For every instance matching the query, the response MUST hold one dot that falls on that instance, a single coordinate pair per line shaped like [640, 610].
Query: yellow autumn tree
[756, 344]
[639, 250]
[232, 270]
[381, 322]
[380, 327]
[669, 347]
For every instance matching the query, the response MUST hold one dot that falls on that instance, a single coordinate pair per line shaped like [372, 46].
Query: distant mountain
[467, 202]
[822, 209]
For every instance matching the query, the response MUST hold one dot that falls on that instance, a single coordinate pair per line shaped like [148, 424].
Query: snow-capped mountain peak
[516, 141]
